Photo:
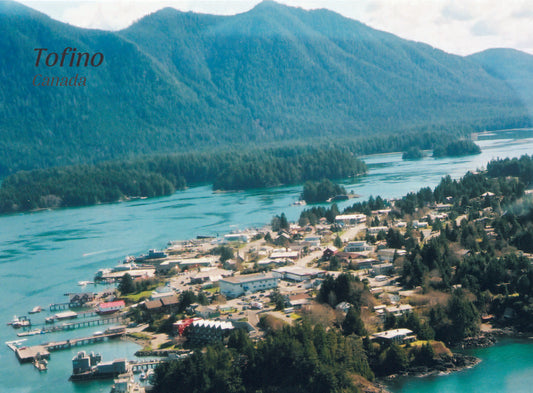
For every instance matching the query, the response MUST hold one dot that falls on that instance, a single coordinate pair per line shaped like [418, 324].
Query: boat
[50, 319]
[126, 384]
[19, 322]
[40, 363]
[85, 283]
[36, 310]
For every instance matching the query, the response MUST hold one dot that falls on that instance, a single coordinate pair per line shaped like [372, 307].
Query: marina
[26, 354]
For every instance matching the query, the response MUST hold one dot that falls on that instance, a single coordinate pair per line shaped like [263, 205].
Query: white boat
[85, 283]
[19, 322]
[36, 310]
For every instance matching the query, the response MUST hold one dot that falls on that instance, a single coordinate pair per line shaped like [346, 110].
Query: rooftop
[248, 278]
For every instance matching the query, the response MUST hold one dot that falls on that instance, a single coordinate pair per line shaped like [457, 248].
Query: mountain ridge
[179, 80]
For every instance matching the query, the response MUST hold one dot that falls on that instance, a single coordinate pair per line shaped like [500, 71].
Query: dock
[66, 344]
[82, 324]
[29, 354]
[137, 366]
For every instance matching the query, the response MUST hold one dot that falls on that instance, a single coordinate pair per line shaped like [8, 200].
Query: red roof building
[111, 307]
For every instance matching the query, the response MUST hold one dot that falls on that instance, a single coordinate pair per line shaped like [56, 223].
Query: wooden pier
[143, 365]
[60, 306]
[29, 354]
[59, 345]
[82, 324]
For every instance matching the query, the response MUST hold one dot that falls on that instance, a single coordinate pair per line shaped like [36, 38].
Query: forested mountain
[512, 66]
[176, 81]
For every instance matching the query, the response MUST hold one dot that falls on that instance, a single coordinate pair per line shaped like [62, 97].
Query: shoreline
[459, 361]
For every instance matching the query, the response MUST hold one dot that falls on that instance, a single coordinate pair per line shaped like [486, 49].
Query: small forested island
[413, 153]
[463, 147]
[315, 192]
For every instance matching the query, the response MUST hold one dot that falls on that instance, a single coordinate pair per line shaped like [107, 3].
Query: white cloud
[456, 26]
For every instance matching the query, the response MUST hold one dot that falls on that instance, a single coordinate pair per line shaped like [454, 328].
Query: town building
[313, 240]
[350, 219]
[167, 303]
[400, 336]
[237, 238]
[111, 307]
[387, 254]
[285, 254]
[383, 269]
[247, 283]
[358, 246]
[298, 273]
[201, 332]
[376, 230]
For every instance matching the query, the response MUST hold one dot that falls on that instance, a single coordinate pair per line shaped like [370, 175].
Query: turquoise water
[44, 254]
[505, 367]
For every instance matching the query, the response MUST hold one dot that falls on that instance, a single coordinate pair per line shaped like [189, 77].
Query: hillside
[512, 66]
[176, 81]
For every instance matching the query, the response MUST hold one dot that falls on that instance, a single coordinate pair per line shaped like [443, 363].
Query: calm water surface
[43, 255]
[505, 367]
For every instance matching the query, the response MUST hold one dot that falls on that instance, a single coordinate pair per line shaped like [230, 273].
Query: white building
[375, 230]
[396, 335]
[350, 219]
[399, 309]
[285, 254]
[247, 283]
[313, 240]
[387, 254]
[298, 273]
[419, 224]
[358, 247]
[237, 237]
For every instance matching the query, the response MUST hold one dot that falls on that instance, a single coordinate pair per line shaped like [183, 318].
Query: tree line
[161, 175]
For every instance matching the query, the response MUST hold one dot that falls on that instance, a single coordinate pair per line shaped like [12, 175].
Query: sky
[456, 26]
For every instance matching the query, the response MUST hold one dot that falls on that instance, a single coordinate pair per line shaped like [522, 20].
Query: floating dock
[82, 324]
[137, 366]
[29, 354]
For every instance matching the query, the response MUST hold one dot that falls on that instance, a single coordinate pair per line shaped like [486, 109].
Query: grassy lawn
[438, 346]
[230, 310]
[136, 297]
[141, 336]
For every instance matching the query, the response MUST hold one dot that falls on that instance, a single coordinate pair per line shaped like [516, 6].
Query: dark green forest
[321, 191]
[413, 153]
[158, 175]
[162, 175]
[462, 147]
[177, 81]
[295, 359]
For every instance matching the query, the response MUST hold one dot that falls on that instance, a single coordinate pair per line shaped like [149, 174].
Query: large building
[350, 219]
[298, 273]
[399, 336]
[201, 332]
[358, 246]
[247, 283]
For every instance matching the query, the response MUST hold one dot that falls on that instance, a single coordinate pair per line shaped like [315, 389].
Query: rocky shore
[481, 341]
[443, 364]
